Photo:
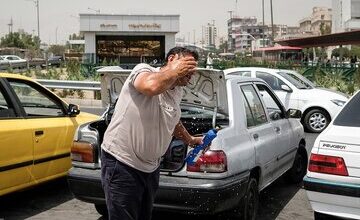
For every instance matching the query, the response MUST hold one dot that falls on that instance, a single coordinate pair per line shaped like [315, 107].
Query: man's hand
[193, 141]
[182, 65]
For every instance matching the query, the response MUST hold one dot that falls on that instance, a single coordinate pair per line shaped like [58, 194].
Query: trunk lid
[343, 142]
[204, 105]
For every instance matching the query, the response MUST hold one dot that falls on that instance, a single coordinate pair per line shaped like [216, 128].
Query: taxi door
[52, 130]
[16, 145]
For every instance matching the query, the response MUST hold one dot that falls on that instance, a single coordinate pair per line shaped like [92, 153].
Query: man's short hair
[181, 51]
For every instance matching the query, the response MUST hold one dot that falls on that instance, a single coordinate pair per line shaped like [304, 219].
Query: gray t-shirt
[141, 128]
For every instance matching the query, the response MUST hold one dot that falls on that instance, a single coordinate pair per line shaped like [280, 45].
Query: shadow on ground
[30, 202]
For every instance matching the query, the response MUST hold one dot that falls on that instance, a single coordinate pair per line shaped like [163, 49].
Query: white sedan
[318, 105]
[332, 182]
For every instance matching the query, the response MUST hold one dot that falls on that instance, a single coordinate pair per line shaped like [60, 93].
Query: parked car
[319, 105]
[55, 61]
[14, 61]
[257, 143]
[332, 182]
[36, 133]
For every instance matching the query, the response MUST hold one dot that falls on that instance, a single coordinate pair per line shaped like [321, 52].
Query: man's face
[184, 81]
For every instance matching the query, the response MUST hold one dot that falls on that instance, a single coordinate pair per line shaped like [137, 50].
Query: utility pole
[272, 23]
[263, 20]
[11, 25]
[38, 17]
[194, 36]
[56, 31]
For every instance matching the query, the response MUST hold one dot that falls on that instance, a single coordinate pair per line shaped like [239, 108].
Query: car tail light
[82, 151]
[327, 164]
[212, 161]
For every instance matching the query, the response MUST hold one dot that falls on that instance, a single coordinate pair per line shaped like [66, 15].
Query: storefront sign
[108, 25]
[145, 26]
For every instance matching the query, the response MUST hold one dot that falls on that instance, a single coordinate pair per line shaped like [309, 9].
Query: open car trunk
[203, 106]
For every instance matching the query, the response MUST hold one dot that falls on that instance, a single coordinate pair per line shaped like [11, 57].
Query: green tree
[57, 49]
[20, 40]
[337, 51]
[325, 29]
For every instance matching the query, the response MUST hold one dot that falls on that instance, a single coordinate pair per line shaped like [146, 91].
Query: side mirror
[286, 88]
[73, 110]
[294, 113]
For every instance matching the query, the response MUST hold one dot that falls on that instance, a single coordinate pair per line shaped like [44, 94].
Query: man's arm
[152, 84]
[181, 133]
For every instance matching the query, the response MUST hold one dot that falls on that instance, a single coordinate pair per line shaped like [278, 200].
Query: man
[145, 119]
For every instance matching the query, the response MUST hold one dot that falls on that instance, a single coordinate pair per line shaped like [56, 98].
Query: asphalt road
[53, 200]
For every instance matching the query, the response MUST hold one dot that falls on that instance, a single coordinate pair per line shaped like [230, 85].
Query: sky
[60, 18]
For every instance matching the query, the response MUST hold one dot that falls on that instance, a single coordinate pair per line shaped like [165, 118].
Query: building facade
[346, 15]
[234, 25]
[128, 38]
[210, 35]
[318, 23]
[242, 32]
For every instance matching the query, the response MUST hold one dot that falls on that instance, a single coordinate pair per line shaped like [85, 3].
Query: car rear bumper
[333, 198]
[179, 194]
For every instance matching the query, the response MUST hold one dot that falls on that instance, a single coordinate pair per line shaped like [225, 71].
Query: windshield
[297, 80]
[350, 116]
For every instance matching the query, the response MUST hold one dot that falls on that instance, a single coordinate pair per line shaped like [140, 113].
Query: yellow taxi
[36, 133]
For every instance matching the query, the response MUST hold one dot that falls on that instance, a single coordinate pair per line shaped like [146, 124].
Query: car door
[261, 132]
[285, 148]
[16, 145]
[52, 130]
[275, 84]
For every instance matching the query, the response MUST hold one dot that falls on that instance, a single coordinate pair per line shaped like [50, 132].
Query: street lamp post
[272, 22]
[263, 20]
[96, 10]
[38, 17]
[56, 31]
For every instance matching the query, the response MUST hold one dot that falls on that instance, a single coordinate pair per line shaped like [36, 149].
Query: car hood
[323, 94]
[207, 88]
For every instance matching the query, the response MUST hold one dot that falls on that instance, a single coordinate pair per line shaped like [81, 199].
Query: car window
[6, 109]
[34, 101]
[296, 81]
[272, 104]
[349, 115]
[254, 106]
[241, 73]
[274, 82]
[15, 58]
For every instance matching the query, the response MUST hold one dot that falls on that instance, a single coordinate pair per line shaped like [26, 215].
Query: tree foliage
[20, 40]
[57, 49]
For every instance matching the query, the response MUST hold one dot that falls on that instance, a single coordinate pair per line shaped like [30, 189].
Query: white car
[318, 105]
[12, 59]
[332, 182]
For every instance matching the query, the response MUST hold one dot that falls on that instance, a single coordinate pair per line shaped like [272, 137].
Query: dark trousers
[129, 193]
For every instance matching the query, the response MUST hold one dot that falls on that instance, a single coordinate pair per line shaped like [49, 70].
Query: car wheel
[298, 169]
[316, 120]
[101, 209]
[250, 202]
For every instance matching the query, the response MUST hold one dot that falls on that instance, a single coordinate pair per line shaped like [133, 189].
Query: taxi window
[36, 103]
[6, 109]
[349, 115]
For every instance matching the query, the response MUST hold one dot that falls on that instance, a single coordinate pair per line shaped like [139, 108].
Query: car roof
[270, 70]
[15, 76]
[244, 79]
